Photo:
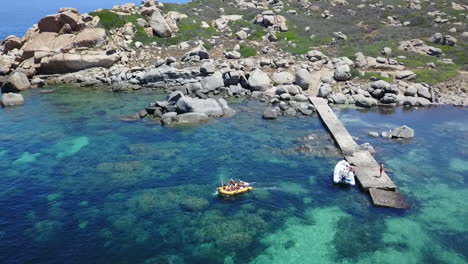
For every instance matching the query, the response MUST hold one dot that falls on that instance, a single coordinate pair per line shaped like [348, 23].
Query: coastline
[89, 51]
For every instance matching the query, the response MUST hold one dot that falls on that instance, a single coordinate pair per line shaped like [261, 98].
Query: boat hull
[342, 175]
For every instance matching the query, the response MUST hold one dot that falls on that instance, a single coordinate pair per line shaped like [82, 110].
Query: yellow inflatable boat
[236, 192]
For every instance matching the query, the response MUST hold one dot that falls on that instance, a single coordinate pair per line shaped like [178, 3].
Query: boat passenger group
[233, 186]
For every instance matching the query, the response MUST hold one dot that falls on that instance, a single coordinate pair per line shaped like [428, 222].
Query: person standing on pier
[381, 169]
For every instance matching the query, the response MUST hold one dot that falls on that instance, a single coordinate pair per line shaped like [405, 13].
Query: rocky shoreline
[72, 48]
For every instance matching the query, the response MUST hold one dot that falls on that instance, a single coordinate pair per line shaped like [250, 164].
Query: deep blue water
[79, 185]
[18, 16]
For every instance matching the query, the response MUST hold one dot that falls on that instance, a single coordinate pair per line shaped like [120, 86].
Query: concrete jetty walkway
[382, 189]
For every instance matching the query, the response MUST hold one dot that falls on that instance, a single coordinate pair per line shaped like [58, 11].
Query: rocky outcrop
[67, 62]
[16, 82]
[270, 19]
[160, 25]
[259, 80]
[11, 42]
[172, 17]
[342, 73]
[418, 46]
[5, 64]
[281, 78]
[90, 37]
[222, 22]
[196, 54]
[447, 40]
[303, 79]
[54, 23]
[12, 99]
[181, 109]
[166, 72]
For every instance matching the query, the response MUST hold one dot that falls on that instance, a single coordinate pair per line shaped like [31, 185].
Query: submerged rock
[190, 118]
[12, 99]
[402, 132]
[270, 113]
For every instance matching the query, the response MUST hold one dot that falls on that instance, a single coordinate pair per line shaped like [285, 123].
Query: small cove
[79, 185]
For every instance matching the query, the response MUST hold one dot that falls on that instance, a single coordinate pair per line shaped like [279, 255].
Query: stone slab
[388, 199]
[334, 125]
[368, 172]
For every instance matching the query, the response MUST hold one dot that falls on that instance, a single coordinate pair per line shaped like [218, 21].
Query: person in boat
[232, 183]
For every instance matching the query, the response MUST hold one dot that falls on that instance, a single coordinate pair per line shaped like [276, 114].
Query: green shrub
[303, 44]
[442, 73]
[376, 75]
[247, 51]
[207, 45]
[414, 60]
[110, 20]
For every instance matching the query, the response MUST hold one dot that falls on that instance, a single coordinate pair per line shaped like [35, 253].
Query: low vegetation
[256, 32]
[442, 73]
[188, 28]
[376, 76]
[247, 51]
[110, 20]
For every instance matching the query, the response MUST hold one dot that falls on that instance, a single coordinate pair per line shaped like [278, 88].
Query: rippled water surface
[79, 185]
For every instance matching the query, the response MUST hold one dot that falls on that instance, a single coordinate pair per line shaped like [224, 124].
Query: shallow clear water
[78, 185]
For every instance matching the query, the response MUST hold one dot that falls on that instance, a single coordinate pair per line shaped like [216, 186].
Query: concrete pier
[382, 189]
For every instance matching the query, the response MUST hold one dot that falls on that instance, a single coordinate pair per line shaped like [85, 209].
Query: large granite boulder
[281, 78]
[270, 19]
[270, 113]
[54, 23]
[90, 37]
[342, 73]
[213, 82]
[200, 52]
[361, 100]
[5, 64]
[303, 79]
[164, 73]
[402, 132]
[160, 25]
[423, 91]
[11, 42]
[339, 98]
[16, 82]
[325, 90]
[12, 99]
[190, 119]
[389, 98]
[64, 63]
[259, 80]
[172, 17]
[47, 43]
[208, 106]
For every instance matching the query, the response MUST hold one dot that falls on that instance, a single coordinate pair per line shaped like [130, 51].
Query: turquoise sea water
[78, 185]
